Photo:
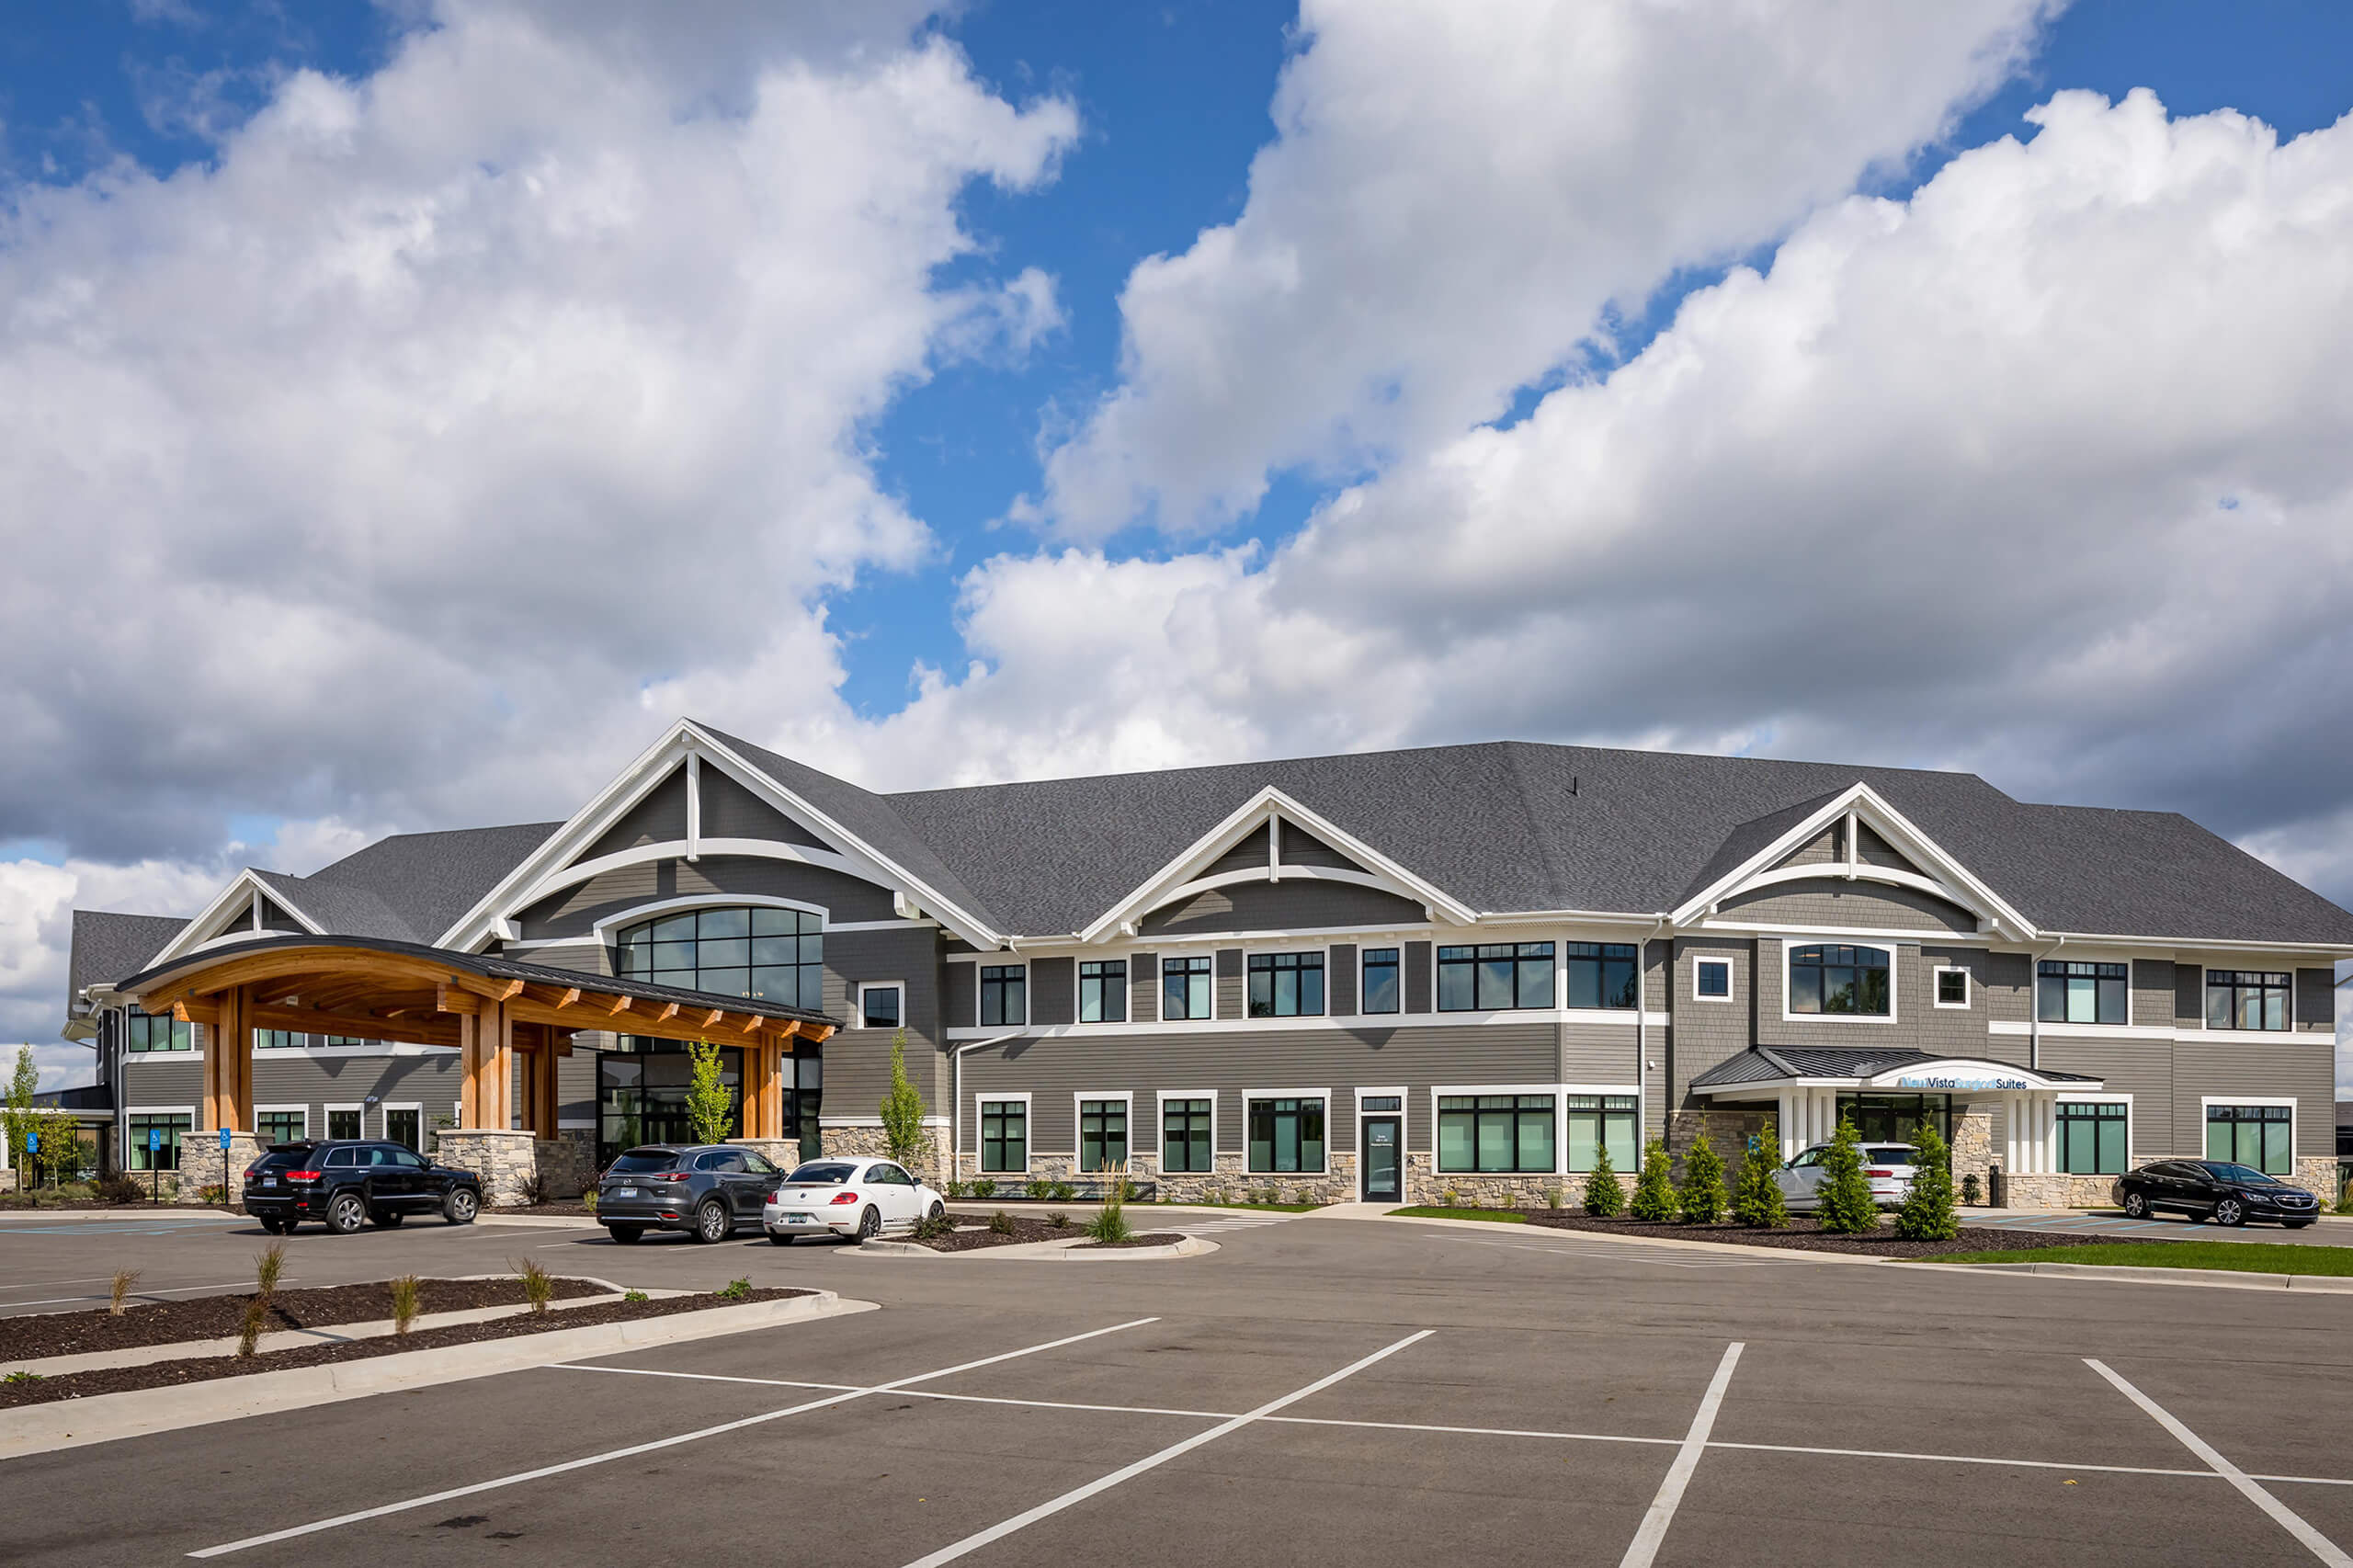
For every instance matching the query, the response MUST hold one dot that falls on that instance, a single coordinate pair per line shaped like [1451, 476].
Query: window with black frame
[281, 1127]
[2247, 999]
[1840, 979]
[1004, 1135]
[165, 1155]
[146, 1032]
[1102, 1135]
[2262, 1136]
[1602, 1124]
[1382, 991]
[1286, 985]
[1185, 1136]
[1601, 975]
[1184, 988]
[2092, 1137]
[776, 955]
[1103, 991]
[1287, 1136]
[1496, 1133]
[1494, 976]
[2070, 992]
[1004, 995]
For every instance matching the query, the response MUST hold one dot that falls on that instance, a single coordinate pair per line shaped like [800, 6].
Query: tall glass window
[1602, 1121]
[1495, 975]
[1102, 1134]
[1004, 995]
[1286, 985]
[1601, 975]
[2246, 999]
[1380, 989]
[2258, 1135]
[1185, 1136]
[2069, 993]
[166, 1155]
[775, 955]
[1004, 1135]
[1184, 988]
[1496, 1133]
[1103, 991]
[2091, 1137]
[1287, 1135]
[148, 1032]
[1831, 978]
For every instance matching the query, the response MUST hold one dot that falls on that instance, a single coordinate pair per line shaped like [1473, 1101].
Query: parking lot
[1320, 1391]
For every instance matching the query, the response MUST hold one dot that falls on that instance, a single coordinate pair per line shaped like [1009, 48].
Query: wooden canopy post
[228, 1064]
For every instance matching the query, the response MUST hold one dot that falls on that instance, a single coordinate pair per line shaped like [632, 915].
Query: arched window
[777, 955]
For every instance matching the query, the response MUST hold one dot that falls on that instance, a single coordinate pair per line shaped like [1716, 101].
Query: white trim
[981, 1100]
[2295, 1115]
[327, 1111]
[209, 929]
[1936, 987]
[1250, 1095]
[1160, 1132]
[894, 925]
[694, 805]
[1626, 1016]
[1078, 1131]
[1732, 987]
[1917, 935]
[992, 1030]
[638, 914]
[262, 1111]
[1356, 1148]
[1560, 1121]
[1889, 1016]
[2176, 1033]
[384, 1109]
[1126, 961]
[676, 850]
[857, 1003]
[187, 1110]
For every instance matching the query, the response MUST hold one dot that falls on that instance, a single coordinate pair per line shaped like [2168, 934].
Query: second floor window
[776, 955]
[1381, 993]
[1286, 985]
[1103, 991]
[1836, 979]
[2246, 999]
[2069, 992]
[1495, 975]
[1184, 988]
[1004, 995]
[1601, 975]
[149, 1032]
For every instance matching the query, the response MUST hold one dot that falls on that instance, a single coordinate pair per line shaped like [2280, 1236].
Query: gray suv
[705, 1189]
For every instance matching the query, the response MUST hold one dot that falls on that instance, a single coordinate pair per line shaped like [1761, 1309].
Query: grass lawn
[1262, 1208]
[1493, 1216]
[2243, 1257]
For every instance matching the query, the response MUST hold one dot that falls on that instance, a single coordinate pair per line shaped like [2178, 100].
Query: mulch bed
[171, 1374]
[1025, 1228]
[570, 1207]
[34, 1335]
[1807, 1235]
[1156, 1239]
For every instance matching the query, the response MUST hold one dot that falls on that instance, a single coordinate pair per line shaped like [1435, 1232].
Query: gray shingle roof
[1764, 1063]
[354, 910]
[425, 881]
[110, 947]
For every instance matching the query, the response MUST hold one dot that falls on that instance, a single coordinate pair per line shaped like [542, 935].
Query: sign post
[32, 1155]
[154, 1165]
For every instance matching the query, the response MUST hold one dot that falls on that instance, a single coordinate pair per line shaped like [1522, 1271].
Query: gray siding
[1229, 983]
[2153, 992]
[2315, 999]
[2142, 1068]
[1960, 1031]
[1419, 977]
[1302, 848]
[660, 818]
[1250, 853]
[164, 1078]
[1822, 849]
[1708, 1032]
[2303, 1068]
[857, 1061]
[1143, 987]
[1340, 980]
[1843, 905]
[2009, 986]
[1873, 850]
[1296, 905]
[959, 995]
[730, 810]
[2189, 997]
[1599, 1054]
[1053, 991]
[575, 910]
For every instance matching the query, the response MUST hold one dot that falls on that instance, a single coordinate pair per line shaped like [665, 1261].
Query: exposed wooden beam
[618, 1005]
[569, 997]
[669, 1011]
[448, 998]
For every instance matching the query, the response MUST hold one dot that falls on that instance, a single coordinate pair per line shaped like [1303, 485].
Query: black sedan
[705, 1189]
[351, 1183]
[2230, 1194]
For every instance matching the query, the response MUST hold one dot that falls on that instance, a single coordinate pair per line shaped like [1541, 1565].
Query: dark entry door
[1384, 1158]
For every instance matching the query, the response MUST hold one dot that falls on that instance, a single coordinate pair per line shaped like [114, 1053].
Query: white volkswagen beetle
[853, 1197]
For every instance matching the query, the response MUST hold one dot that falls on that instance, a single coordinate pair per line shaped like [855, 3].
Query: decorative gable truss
[1210, 861]
[683, 761]
[1922, 865]
[249, 907]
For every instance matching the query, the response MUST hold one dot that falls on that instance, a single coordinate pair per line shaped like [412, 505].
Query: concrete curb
[539, 1222]
[1736, 1249]
[2206, 1278]
[1075, 1250]
[74, 1422]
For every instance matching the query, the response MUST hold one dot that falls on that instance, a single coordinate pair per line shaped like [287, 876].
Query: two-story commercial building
[1384, 975]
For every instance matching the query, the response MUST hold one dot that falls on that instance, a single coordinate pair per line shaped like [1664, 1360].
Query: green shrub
[588, 1200]
[1969, 1193]
[215, 1193]
[1846, 1203]
[902, 1109]
[930, 1230]
[1702, 1195]
[1057, 1219]
[954, 1189]
[21, 1377]
[120, 1190]
[1062, 1192]
[249, 1332]
[735, 1291]
[1605, 1195]
[1000, 1224]
[1039, 1190]
[1756, 1198]
[985, 1190]
[1552, 1195]
[1929, 1214]
[635, 1296]
[1654, 1186]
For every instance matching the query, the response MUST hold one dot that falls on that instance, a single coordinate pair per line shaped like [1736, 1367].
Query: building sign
[1960, 1081]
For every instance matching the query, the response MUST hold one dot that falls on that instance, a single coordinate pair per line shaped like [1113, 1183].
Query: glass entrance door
[1383, 1159]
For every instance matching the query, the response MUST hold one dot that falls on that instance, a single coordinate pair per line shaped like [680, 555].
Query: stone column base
[504, 1160]
[782, 1152]
[201, 1164]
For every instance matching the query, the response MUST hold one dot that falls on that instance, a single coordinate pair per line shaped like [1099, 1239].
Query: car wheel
[938, 1211]
[2229, 1211]
[461, 1207]
[626, 1234]
[387, 1219]
[2136, 1205]
[346, 1214]
[869, 1226]
[780, 1239]
[270, 1227]
[712, 1224]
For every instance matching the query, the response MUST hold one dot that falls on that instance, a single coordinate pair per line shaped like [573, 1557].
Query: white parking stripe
[1644, 1547]
[659, 1443]
[2287, 1518]
[1078, 1495]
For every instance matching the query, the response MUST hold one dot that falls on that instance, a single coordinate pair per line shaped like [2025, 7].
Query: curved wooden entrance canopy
[501, 1013]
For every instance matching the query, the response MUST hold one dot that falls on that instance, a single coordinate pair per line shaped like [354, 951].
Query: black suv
[349, 1183]
[704, 1190]
[2232, 1194]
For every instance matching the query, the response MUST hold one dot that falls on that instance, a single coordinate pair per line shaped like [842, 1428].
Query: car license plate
[799, 1219]
[270, 1181]
[625, 1192]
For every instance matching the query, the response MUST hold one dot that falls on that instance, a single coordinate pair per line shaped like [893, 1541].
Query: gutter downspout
[956, 1106]
[1641, 1017]
[2034, 1005]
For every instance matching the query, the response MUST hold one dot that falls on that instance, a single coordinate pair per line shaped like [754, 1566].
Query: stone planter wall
[201, 1166]
[930, 1167]
[504, 1160]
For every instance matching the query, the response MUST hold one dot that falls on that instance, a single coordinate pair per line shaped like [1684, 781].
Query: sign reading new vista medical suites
[1960, 1081]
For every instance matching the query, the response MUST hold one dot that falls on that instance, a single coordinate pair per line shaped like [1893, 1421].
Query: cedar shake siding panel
[1340, 979]
[2152, 992]
[1595, 1053]
[1302, 848]
[1419, 977]
[1917, 1025]
[2315, 999]
[1143, 987]
[588, 957]
[1822, 849]
[730, 810]
[575, 910]
[1873, 850]
[959, 995]
[1251, 853]
[2009, 986]
[1239, 1063]
[2302, 1067]
[1298, 906]
[1053, 991]
[660, 818]
[1229, 983]
[2189, 997]
[1960, 1031]
[1706, 1031]
[857, 1061]
[1836, 904]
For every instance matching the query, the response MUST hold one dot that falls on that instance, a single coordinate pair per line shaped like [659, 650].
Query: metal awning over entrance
[498, 1012]
[1806, 1082]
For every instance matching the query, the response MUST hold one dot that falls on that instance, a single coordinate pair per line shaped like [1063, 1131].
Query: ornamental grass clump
[119, 1296]
[1110, 1221]
[1605, 1195]
[1654, 1186]
[1929, 1214]
[269, 1266]
[1756, 1198]
[408, 1293]
[538, 1285]
[1701, 1194]
[1846, 1205]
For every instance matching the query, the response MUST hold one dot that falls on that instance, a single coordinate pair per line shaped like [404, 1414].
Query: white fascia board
[210, 922]
[1266, 805]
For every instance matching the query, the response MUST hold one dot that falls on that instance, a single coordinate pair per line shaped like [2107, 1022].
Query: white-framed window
[1846, 980]
[1188, 1131]
[168, 1125]
[1004, 1125]
[2095, 1134]
[882, 1005]
[1497, 1129]
[1711, 980]
[404, 1124]
[1948, 986]
[1105, 1126]
[1286, 1131]
[1383, 987]
[2251, 1129]
[1004, 995]
[2078, 991]
[1102, 991]
[282, 1124]
[1187, 987]
[346, 1120]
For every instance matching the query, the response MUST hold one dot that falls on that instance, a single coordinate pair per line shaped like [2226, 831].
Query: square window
[1952, 988]
[1711, 978]
[881, 1006]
